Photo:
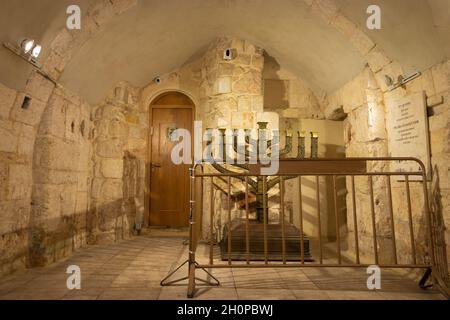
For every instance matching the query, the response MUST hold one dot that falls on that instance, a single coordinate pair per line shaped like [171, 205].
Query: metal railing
[350, 168]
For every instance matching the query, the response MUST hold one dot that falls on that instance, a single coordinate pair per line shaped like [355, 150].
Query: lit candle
[289, 133]
[262, 125]
[301, 144]
[314, 145]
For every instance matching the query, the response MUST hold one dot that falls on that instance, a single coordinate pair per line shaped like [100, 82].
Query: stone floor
[133, 269]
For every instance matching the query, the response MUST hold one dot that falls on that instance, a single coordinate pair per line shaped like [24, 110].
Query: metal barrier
[315, 168]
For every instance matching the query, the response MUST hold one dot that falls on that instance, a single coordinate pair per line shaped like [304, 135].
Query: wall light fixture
[26, 48]
[27, 45]
[29, 50]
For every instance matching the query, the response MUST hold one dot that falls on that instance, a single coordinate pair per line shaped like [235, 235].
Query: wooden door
[169, 183]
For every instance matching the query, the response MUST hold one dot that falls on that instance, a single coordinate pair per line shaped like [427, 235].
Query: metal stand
[191, 261]
[165, 283]
[424, 279]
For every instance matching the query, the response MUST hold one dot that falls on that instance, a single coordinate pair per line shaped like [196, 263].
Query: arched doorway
[169, 183]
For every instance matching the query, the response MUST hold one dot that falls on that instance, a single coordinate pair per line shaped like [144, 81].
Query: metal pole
[191, 275]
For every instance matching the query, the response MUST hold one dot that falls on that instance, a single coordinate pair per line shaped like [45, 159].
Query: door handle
[156, 165]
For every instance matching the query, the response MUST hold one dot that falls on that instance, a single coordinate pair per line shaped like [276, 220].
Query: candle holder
[256, 184]
[261, 191]
[314, 145]
[301, 153]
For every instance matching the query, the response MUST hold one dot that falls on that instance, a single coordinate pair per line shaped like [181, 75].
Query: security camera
[228, 54]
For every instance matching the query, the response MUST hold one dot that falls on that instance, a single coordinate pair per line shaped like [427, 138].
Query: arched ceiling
[158, 36]
[416, 33]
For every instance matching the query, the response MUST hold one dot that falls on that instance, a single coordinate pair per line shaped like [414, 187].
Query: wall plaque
[407, 128]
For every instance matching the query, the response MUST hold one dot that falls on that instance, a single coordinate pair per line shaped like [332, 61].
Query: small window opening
[82, 127]
[26, 103]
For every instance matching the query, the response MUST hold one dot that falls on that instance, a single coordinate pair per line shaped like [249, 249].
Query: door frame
[150, 145]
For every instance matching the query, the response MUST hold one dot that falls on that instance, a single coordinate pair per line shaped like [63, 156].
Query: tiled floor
[133, 269]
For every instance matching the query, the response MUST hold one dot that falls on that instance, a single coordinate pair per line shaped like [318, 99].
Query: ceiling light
[36, 51]
[27, 45]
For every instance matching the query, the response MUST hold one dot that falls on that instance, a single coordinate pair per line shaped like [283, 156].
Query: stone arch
[66, 43]
[373, 53]
[152, 97]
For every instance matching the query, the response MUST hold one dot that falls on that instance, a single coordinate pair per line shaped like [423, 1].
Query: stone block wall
[435, 81]
[19, 125]
[19, 122]
[364, 100]
[230, 94]
[231, 90]
[120, 147]
[45, 165]
[289, 96]
[51, 164]
[365, 136]
[61, 179]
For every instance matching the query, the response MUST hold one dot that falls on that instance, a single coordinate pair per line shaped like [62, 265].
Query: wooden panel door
[169, 189]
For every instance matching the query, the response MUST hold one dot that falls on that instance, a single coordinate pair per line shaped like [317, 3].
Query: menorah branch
[256, 183]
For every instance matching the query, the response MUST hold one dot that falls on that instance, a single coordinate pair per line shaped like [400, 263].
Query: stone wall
[19, 125]
[66, 180]
[61, 179]
[120, 146]
[365, 136]
[364, 101]
[231, 90]
[289, 96]
[439, 125]
[435, 82]
[365, 116]
[364, 109]
[231, 96]
[19, 122]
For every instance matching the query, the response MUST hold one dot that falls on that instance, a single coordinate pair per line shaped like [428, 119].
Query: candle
[301, 145]
[262, 125]
[314, 145]
[289, 133]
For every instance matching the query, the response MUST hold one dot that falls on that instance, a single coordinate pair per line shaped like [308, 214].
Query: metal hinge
[151, 131]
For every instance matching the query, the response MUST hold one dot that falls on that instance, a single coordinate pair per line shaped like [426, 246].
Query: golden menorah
[256, 183]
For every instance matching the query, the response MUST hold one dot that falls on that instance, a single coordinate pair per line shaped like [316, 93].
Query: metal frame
[320, 164]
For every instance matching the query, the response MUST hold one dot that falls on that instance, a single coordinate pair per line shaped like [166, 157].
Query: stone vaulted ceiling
[157, 36]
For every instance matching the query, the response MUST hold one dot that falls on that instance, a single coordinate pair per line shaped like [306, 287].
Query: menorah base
[256, 242]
